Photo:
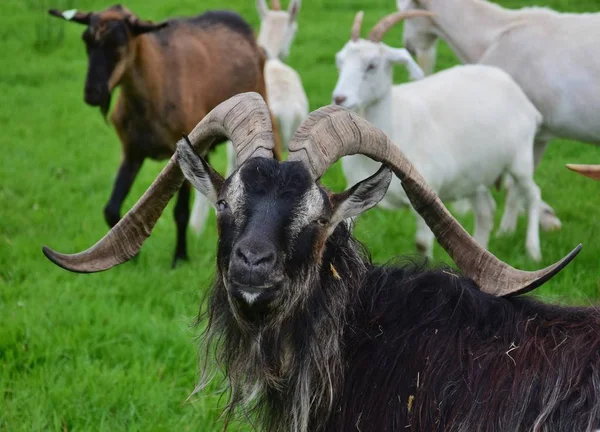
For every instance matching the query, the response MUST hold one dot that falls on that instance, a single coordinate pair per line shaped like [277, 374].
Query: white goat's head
[277, 27]
[419, 36]
[366, 65]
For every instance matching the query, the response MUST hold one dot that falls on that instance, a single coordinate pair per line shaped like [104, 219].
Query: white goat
[552, 56]
[462, 128]
[285, 94]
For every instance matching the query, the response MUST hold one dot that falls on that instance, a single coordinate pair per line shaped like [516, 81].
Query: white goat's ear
[403, 57]
[361, 197]
[293, 10]
[263, 9]
[199, 173]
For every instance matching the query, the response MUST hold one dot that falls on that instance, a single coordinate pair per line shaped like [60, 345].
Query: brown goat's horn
[386, 23]
[591, 171]
[275, 5]
[244, 119]
[332, 132]
[356, 26]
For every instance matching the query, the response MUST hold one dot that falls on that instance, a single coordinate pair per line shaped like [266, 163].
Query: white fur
[553, 57]
[461, 128]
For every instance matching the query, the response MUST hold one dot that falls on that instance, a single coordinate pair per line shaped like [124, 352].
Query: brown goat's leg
[278, 148]
[125, 176]
[182, 217]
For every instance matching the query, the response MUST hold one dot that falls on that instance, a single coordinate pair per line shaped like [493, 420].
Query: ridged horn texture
[275, 5]
[591, 171]
[386, 23]
[244, 119]
[332, 132]
[357, 25]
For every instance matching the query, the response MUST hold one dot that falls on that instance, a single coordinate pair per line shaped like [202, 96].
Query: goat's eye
[222, 206]
[371, 67]
[322, 222]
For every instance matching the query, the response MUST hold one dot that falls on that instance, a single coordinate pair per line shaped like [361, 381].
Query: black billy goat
[171, 74]
[313, 337]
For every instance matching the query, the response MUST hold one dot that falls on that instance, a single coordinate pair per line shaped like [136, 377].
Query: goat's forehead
[277, 17]
[267, 178]
[361, 48]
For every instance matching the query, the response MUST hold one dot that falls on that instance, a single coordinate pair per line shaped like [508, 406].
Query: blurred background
[117, 350]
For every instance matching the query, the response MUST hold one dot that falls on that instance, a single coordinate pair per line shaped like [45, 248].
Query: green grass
[117, 350]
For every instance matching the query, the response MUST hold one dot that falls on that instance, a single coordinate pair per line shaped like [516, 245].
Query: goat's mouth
[253, 294]
[98, 98]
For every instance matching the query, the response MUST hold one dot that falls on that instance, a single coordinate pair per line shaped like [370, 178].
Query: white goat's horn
[356, 25]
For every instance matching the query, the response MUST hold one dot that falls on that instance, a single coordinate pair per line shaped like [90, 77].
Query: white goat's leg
[199, 212]
[231, 159]
[522, 172]
[513, 206]
[484, 208]
[424, 237]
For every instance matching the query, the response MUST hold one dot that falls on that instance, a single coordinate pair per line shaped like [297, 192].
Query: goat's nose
[256, 256]
[339, 99]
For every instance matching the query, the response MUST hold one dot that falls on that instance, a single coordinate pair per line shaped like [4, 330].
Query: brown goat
[171, 75]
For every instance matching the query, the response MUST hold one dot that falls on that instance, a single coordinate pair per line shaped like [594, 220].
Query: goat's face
[274, 221]
[365, 74]
[419, 36]
[108, 43]
[277, 29]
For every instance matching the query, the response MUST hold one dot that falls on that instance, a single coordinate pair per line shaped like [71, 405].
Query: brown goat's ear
[139, 27]
[72, 15]
[360, 197]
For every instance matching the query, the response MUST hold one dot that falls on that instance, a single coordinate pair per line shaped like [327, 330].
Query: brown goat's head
[108, 39]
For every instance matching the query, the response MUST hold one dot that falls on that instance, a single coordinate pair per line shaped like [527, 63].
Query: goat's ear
[293, 10]
[199, 173]
[72, 15]
[403, 57]
[263, 9]
[138, 26]
[361, 197]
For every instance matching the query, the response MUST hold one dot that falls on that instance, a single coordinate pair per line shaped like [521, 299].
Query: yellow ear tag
[69, 14]
[334, 272]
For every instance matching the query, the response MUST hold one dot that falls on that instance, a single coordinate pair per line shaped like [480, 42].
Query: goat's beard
[286, 370]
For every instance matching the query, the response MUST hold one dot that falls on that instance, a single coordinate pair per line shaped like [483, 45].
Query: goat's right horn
[591, 171]
[356, 26]
[386, 23]
[332, 132]
[244, 119]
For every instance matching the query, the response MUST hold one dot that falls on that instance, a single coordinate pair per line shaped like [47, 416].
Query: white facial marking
[69, 14]
[250, 297]
[235, 194]
[309, 209]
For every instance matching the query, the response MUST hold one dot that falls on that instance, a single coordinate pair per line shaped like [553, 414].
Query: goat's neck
[469, 26]
[140, 74]
[381, 113]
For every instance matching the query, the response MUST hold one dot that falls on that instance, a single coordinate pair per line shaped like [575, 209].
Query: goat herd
[310, 334]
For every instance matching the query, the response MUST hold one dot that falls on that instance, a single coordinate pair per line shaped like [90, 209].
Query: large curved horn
[244, 119]
[332, 132]
[356, 26]
[386, 23]
[591, 171]
[275, 5]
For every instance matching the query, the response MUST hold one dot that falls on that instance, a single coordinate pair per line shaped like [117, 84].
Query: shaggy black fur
[353, 346]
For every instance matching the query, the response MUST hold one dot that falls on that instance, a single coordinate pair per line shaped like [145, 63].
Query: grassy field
[117, 350]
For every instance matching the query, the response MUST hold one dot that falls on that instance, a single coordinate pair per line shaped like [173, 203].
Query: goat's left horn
[386, 23]
[356, 26]
[244, 119]
[591, 171]
[332, 132]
